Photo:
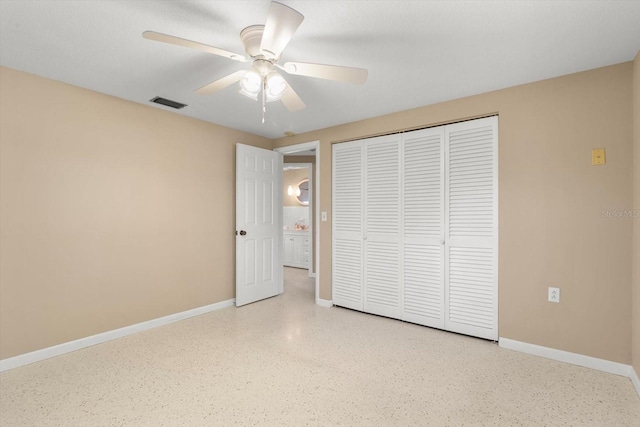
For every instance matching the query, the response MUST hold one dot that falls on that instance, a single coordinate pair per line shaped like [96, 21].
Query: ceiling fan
[264, 45]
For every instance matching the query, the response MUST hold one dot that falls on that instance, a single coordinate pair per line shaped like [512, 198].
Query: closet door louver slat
[347, 274]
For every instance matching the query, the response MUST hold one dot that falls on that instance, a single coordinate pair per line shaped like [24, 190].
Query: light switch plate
[597, 156]
[554, 294]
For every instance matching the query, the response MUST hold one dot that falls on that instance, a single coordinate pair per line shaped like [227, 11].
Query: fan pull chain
[264, 97]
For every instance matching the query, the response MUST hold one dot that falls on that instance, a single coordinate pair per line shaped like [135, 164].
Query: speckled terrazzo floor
[287, 362]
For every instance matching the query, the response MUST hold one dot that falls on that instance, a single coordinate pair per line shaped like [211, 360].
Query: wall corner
[635, 283]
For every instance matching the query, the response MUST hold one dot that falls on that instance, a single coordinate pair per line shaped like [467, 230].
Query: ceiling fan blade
[291, 100]
[165, 38]
[282, 22]
[221, 83]
[329, 72]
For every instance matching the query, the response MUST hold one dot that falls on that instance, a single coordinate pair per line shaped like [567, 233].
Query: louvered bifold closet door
[348, 202]
[471, 228]
[382, 250]
[423, 194]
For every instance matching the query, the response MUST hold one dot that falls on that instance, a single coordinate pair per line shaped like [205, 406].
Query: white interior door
[258, 224]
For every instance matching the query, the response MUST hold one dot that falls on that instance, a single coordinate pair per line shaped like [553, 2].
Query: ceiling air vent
[168, 102]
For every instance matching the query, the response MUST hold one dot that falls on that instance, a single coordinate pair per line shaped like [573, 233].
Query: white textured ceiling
[417, 52]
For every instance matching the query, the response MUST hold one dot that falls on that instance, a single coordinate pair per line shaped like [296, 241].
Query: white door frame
[290, 149]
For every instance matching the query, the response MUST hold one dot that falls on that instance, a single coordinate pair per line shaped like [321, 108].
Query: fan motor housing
[252, 38]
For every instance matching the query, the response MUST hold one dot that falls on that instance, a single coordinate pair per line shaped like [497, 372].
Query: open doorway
[297, 216]
[297, 157]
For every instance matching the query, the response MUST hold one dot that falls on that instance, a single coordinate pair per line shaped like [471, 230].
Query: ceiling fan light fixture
[253, 96]
[251, 83]
[276, 85]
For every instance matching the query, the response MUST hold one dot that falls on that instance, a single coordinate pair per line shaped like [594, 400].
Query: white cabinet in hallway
[296, 248]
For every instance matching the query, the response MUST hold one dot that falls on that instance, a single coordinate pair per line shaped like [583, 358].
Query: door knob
[243, 233]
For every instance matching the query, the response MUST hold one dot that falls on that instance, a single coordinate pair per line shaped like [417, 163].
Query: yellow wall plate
[597, 156]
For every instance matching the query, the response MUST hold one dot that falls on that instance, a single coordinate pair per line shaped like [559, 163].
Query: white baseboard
[324, 302]
[57, 350]
[635, 380]
[312, 274]
[568, 357]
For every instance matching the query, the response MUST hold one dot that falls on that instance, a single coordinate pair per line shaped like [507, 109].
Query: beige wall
[552, 228]
[636, 220]
[111, 212]
[292, 177]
